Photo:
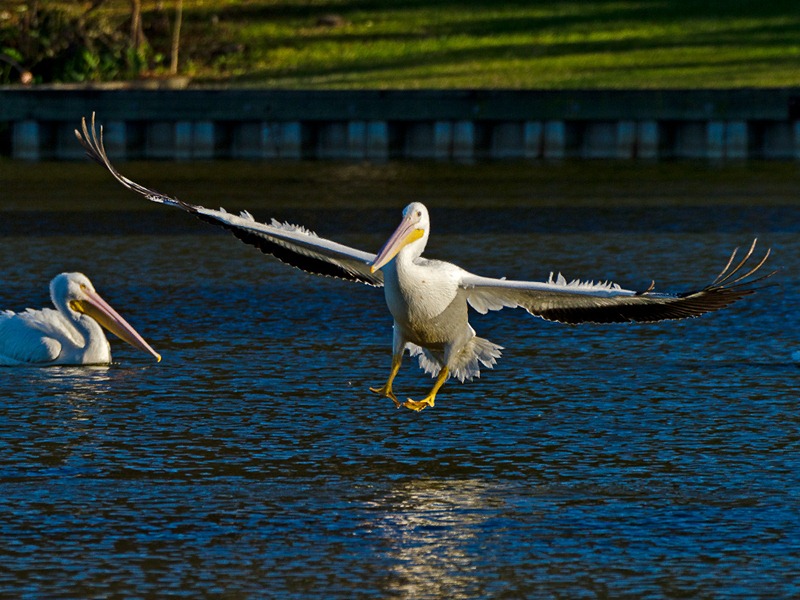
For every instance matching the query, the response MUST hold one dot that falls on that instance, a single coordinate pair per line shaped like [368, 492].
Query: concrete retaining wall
[199, 124]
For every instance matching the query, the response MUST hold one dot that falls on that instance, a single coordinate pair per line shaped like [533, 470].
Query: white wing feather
[292, 244]
[606, 302]
[29, 337]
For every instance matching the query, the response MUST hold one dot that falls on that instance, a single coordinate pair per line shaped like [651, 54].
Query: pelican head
[74, 295]
[412, 232]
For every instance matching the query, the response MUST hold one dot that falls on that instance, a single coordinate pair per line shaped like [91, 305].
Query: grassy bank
[547, 44]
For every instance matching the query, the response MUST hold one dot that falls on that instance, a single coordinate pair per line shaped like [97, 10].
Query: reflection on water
[432, 531]
[641, 461]
[79, 388]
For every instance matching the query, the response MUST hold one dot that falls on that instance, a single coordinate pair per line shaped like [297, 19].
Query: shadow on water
[592, 461]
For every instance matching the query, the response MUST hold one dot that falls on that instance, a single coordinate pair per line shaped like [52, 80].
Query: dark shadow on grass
[779, 27]
[761, 37]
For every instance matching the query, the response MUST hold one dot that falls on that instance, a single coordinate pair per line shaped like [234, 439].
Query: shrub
[57, 46]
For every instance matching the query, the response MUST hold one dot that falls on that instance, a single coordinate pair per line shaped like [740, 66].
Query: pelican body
[429, 299]
[429, 307]
[69, 334]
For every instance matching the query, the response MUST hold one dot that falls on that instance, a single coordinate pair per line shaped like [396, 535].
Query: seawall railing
[460, 125]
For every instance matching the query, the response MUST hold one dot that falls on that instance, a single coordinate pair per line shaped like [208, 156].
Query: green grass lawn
[551, 44]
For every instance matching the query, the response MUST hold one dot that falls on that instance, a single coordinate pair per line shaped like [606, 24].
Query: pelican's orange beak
[97, 308]
[405, 233]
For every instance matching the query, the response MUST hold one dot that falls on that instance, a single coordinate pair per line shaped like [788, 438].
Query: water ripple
[656, 461]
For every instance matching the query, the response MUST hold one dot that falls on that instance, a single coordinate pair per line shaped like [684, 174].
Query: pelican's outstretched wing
[581, 302]
[291, 244]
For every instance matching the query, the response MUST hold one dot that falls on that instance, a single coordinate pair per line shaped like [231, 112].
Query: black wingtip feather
[730, 286]
[92, 142]
[305, 263]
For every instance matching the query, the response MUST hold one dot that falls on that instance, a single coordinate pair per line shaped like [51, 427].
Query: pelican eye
[419, 213]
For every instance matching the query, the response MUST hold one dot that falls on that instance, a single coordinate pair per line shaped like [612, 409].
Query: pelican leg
[418, 405]
[386, 390]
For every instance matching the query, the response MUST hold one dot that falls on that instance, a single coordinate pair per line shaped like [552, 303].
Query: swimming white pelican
[69, 335]
[429, 298]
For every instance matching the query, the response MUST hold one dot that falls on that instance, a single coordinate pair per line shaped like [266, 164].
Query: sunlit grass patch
[547, 44]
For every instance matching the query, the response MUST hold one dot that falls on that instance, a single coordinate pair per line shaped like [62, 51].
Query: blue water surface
[596, 461]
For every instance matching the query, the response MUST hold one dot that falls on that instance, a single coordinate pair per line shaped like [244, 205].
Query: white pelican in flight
[71, 333]
[429, 298]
